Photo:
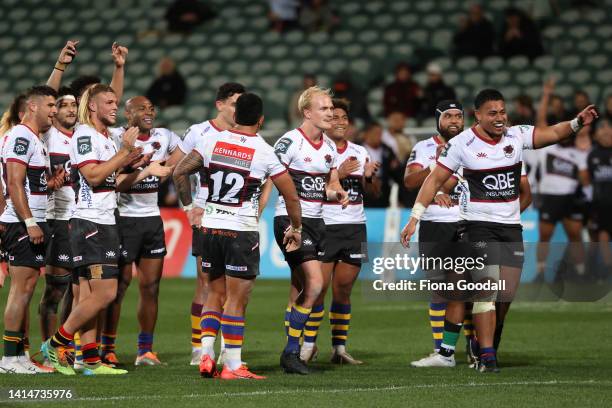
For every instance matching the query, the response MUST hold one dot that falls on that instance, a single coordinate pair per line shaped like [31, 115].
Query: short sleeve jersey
[23, 146]
[61, 201]
[141, 199]
[309, 165]
[559, 167]
[333, 213]
[236, 165]
[93, 203]
[492, 171]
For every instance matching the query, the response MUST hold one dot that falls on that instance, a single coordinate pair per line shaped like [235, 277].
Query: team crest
[84, 144]
[21, 146]
[328, 159]
[509, 151]
[156, 145]
[444, 152]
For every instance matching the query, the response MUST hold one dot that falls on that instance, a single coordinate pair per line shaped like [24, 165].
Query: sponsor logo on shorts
[306, 242]
[111, 254]
[206, 265]
[11, 258]
[519, 253]
[77, 258]
[321, 253]
[356, 256]
[63, 258]
[158, 251]
[236, 268]
[124, 253]
[40, 258]
[480, 244]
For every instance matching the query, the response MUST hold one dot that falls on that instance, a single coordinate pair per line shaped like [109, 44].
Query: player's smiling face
[493, 118]
[67, 113]
[339, 126]
[320, 112]
[45, 112]
[105, 106]
[451, 123]
[141, 113]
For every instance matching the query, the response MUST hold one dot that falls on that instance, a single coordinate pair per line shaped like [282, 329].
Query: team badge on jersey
[21, 146]
[445, 150]
[509, 151]
[282, 146]
[328, 160]
[84, 144]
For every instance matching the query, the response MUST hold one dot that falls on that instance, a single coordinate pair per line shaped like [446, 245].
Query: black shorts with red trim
[59, 253]
[346, 243]
[20, 250]
[313, 240]
[438, 239]
[93, 243]
[196, 242]
[141, 237]
[229, 252]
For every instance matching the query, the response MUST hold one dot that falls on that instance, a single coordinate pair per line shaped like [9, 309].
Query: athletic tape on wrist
[417, 211]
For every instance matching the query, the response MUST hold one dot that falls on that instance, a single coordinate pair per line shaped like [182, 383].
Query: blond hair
[10, 117]
[305, 99]
[84, 112]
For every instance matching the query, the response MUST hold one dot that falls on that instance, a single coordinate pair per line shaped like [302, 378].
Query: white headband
[68, 97]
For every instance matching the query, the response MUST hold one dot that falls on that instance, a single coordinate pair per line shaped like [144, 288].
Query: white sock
[10, 359]
[340, 349]
[233, 358]
[308, 345]
[580, 268]
[208, 346]
[222, 344]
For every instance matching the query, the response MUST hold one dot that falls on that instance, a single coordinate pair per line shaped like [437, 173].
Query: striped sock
[78, 353]
[449, 338]
[91, 357]
[468, 325]
[108, 342]
[287, 315]
[297, 320]
[311, 328]
[145, 343]
[487, 353]
[196, 317]
[339, 320]
[232, 328]
[211, 322]
[12, 339]
[61, 338]
[437, 311]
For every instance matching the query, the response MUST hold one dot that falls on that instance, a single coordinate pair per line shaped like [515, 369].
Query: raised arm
[119, 54]
[64, 59]
[549, 135]
[547, 91]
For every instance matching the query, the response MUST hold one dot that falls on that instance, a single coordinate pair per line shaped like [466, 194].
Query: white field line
[324, 391]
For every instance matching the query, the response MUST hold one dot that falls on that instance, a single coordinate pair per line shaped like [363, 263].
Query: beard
[448, 135]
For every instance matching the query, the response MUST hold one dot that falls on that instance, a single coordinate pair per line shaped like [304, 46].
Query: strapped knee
[483, 307]
[55, 287]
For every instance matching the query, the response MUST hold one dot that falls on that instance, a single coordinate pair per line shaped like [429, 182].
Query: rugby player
[95, 162]
[600, 172]
[310, 158]
[491, 156]
[345, 235]
[225, 102]
[236, 163]
[24, 230]
[141, 233]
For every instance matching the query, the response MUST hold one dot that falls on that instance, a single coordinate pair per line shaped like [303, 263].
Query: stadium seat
[499, 78]
[380, 50]
[286, 67]
[368, 36]
[451, 78]
[343, 36]
[374, 7]
[352, 51]
[518, 62]
[442, 39]
[579, 32]
[527, 77]
[382, 22]
[357, 21]
[474, 79]
[294, 37]
[417, 37]
[330, 50]
[467, 64]
[510, 92]
[492, 63]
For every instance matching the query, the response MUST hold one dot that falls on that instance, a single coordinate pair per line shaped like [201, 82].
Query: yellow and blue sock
[145, 343]
[297, 320]
[287, 315]
[211, 322]
[196, 317]
[311, 328]
[232, 329]
[468, 325]
[437, 311]
[78, 353]
[339, 321]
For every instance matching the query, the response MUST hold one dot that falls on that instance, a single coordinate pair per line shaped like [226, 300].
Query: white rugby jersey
[60, 205]
[423, 154]
[96, 204]
[492, 171]
[559, 167]
[308, 164]
[353, 185]
[24, 146]
[236, 165]
[141, 199]
[189, 142]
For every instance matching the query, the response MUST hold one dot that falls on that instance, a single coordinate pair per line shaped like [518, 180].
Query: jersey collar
[317, 146]
[478, 135]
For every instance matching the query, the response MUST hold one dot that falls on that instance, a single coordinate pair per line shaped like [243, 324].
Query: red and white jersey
[96, 204]
[23, 146]
[189, 142]
[236, 165]
[422, 155]
[309, 165]
[559, 167]
[60, 205]
[353, 185]
[492, 170]
[141, 199]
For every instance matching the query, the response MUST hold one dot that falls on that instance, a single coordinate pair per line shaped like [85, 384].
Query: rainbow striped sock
[145, 343]
[437, 311]
[211, 322]
[339, 320]
[311, 328]
[108, 342]
[297, 320]
[232, 328]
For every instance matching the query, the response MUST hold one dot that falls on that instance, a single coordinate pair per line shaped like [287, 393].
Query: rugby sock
[287, 315]
[91, 357]
[211, 322]
[437, 311]
[232, 329]
[297, 320]
[11, 343]
[311, 328]
[108, 342]
[145, 343]
[487, 353]
[468, 325]
[449, 338]
[580, 269]
[196, 317]
[24, 348]
[78, 353]
[339, 321]
[61, 338]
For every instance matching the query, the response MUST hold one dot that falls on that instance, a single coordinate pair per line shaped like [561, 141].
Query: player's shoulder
[329, 143]
[292, 134]
[521, 131]
[425, 144]
[463, 139]
[21, 131]
[358, 149]
[84, 130]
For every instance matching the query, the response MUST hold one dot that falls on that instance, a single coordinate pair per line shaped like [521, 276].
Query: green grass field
[552, 355]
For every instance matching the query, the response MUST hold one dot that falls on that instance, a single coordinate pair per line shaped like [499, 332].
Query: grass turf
[552, 355]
